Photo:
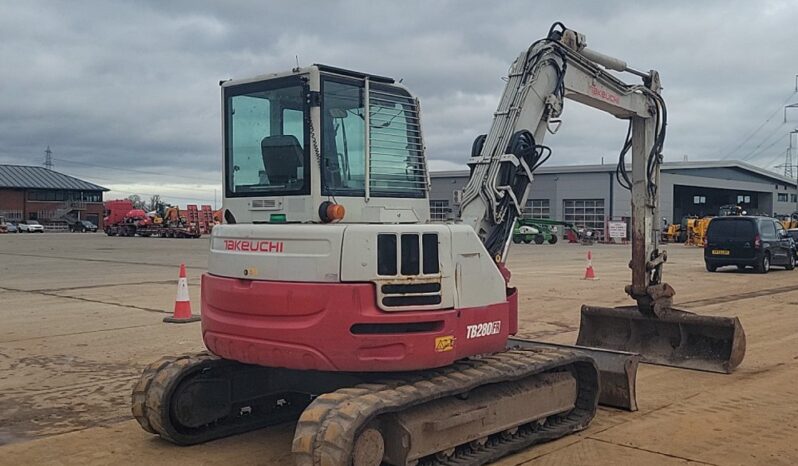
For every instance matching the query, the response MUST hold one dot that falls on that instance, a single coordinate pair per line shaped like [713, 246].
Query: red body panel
[308, 326]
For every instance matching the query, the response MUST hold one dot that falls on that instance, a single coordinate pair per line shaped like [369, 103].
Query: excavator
[331, 300]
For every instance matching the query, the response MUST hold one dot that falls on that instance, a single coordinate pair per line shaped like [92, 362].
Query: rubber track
[327, 429]
[153, 386]
[157, 385]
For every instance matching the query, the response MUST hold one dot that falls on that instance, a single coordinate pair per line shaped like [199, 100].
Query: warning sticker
[444, 343]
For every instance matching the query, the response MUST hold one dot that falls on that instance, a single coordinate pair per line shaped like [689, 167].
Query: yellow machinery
[672, 233]
[697, 231]
[789, 221]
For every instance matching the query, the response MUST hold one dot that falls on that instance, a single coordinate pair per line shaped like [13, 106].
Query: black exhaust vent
[430, 243]
[412, 288]
[386, 254]
[410, 255]
[411, 300]
[410, 327]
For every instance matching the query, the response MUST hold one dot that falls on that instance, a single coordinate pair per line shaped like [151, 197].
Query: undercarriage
[472, 412]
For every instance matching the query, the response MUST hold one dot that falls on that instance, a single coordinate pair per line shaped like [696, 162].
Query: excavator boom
[503, 162]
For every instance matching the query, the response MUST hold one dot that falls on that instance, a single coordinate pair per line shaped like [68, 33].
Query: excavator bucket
[617, 371]
[677, 338]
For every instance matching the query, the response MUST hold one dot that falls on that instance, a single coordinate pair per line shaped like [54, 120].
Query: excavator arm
[503, 163]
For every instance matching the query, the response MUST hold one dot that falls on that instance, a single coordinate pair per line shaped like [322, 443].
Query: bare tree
[156, 204]
[137, 202]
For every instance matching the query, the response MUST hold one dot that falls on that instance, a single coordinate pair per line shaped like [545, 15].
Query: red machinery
[121, 219]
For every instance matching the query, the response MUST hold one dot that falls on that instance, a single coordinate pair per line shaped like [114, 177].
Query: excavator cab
[297, 141]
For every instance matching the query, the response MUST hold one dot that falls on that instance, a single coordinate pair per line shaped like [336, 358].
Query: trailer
[132, 229]
[121, 219]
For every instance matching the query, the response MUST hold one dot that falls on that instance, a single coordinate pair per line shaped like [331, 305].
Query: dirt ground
[80, 316]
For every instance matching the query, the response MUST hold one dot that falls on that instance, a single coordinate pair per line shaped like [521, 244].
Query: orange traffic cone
[182, 313]
[589, 273]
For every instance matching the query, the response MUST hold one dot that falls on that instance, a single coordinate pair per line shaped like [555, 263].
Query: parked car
[30, 226]
[83, 226]
[748, 241]
[12, 227]
[793, 233]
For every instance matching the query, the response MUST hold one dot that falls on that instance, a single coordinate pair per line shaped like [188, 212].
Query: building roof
[24, 176]
[666, 166]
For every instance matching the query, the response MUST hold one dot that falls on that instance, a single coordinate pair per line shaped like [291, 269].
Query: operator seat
[282, 158]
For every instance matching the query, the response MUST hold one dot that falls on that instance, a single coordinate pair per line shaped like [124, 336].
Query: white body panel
[305, 208]
[298, 253]
[467, 275]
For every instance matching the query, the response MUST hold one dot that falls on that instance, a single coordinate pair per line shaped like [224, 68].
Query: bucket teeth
[674, 338]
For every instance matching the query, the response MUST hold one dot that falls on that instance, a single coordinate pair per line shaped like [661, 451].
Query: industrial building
[589, 195]
[52, 198]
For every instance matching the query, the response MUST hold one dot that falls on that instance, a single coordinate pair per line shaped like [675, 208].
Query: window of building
[47, 195]
[54, 195]
[699, 199]
[537, 208]
[782, 197]
[439, 210]
[87, 196]
[585, 213]
[793, 197]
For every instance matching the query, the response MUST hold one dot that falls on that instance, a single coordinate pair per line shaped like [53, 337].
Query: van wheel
[791, 264]
[764, 264]
[711, 267]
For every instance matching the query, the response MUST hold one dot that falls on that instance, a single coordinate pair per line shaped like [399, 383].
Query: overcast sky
[126, 93]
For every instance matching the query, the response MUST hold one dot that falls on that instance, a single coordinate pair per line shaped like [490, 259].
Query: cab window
[343, 138]
[265, 147]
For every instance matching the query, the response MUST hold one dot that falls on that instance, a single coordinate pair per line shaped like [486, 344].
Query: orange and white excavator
[331, 300]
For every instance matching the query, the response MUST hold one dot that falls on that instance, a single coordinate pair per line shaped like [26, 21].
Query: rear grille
[416, 257]
[413, 260]
[265, 204]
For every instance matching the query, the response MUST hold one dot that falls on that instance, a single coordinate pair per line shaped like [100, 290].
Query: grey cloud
[133, 85]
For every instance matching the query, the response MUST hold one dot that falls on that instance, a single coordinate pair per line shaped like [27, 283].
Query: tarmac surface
[81, 315]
